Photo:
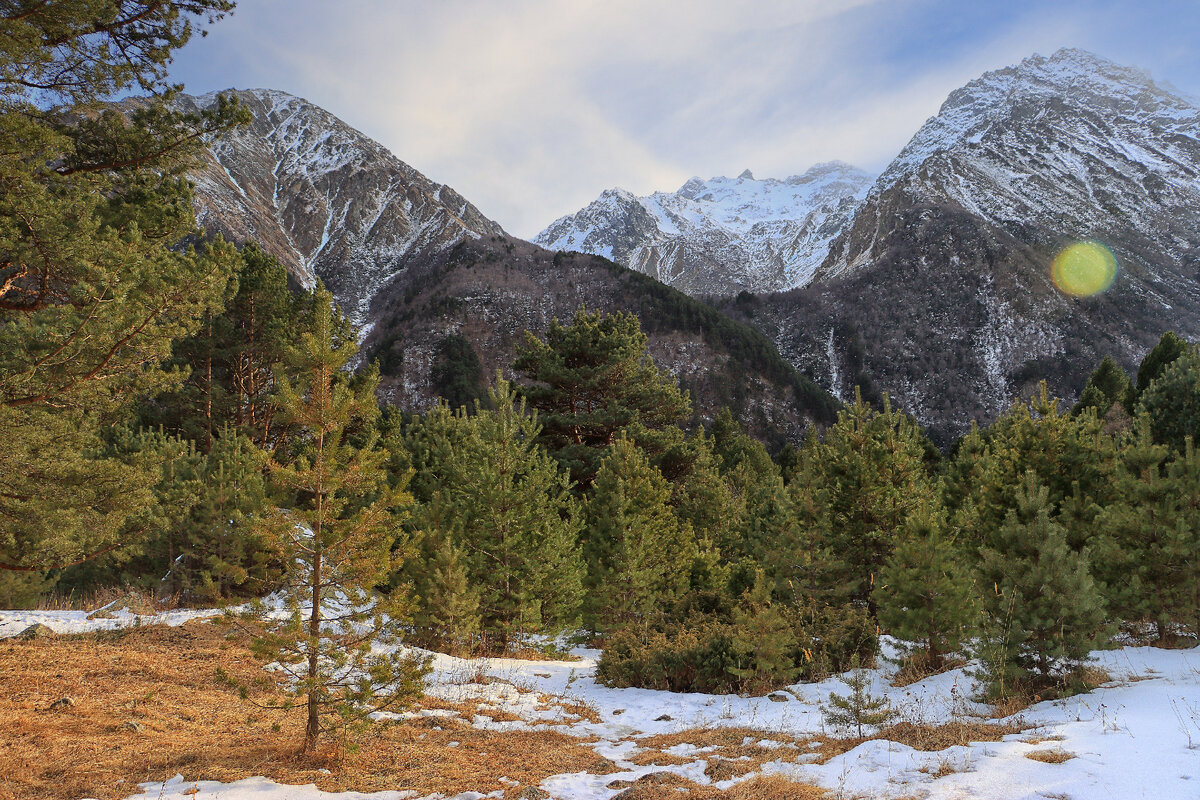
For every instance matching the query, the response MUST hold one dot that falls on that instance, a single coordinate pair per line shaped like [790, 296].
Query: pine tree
[222, 551]
[448, 611]
[1172, 401]
[1146, 554]
[1044, 611]
[1107, 386]
[343, 536]
[489, 489]
[1070, 455]
[873, 475]
[93, 286]
[63, 497]
[639, 552]
[765, 635]
[859, 708]
[1169, 348]
[517, 523]
[592, 379]
[925, 596]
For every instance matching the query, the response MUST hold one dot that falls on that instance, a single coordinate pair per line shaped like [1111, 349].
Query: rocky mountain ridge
[322, 196]
[939, 291]
[723, 235]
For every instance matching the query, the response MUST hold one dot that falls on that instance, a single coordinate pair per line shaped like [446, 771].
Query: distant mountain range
[931, 283]
[723, 235]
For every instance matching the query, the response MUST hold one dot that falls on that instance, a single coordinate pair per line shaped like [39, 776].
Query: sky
[531, 108]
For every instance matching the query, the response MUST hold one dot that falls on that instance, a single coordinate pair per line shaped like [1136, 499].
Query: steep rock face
[327, 200]
[413, 263]
[723, 235]
[940, 292]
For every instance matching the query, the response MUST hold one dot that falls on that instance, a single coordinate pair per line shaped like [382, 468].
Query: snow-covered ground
[1135, 737]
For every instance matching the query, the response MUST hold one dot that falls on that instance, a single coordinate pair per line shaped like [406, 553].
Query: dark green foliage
[1070, 455]
[926, 597]
[591, 380]
[1172, 401]
[497, 509]
[1146, 553]
[457, 372]
[221, 551]
[230, 362]
[870, 475]
[93, 286]
[1044, 613]
[1107, 386]
[637, 549]
[1169, 348]
[64, 497]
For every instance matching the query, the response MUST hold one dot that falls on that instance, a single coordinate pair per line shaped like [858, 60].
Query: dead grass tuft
[959, 732]
[1053, 756]
[667, 786]
[164, 680]
[915, 669]
[654, 758]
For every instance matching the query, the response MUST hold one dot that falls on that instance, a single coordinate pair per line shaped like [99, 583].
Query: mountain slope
[723, 235]
[322, 196]
[414, 264]
[940, 290]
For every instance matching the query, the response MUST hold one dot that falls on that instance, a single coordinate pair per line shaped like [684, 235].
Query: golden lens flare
[1084, 269]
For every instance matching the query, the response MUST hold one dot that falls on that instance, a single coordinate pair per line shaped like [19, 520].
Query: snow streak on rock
[329, 201]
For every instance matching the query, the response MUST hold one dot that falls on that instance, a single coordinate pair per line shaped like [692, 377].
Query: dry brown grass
[667, 786]
[724, 750]
[95, 598]
[1053, 756]
[959, 732]
[654, 758]
[163, 679]
[914, 670]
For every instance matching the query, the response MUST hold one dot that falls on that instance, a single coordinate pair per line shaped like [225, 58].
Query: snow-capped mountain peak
[721, 235]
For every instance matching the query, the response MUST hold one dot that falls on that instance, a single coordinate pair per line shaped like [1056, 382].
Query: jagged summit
[321, 195]
[721, 235]
[1073, 77]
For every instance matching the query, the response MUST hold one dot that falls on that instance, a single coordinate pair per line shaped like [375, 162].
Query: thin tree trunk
[313, 730]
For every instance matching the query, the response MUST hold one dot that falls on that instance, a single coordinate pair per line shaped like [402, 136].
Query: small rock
[62, 702]
[533, 793]
[323, 771]
[778, 697]
[616, 712]
[36, 631]
[133, 725]
[663, 718]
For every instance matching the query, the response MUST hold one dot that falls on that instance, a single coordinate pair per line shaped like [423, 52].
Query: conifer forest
[182, 420]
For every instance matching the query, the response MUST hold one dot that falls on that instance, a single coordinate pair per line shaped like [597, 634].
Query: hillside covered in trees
[180, 419]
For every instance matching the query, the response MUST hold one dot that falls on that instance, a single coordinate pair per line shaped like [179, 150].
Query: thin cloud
[531, 108]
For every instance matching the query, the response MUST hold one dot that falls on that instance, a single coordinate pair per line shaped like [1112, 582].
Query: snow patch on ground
[1137, 736]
